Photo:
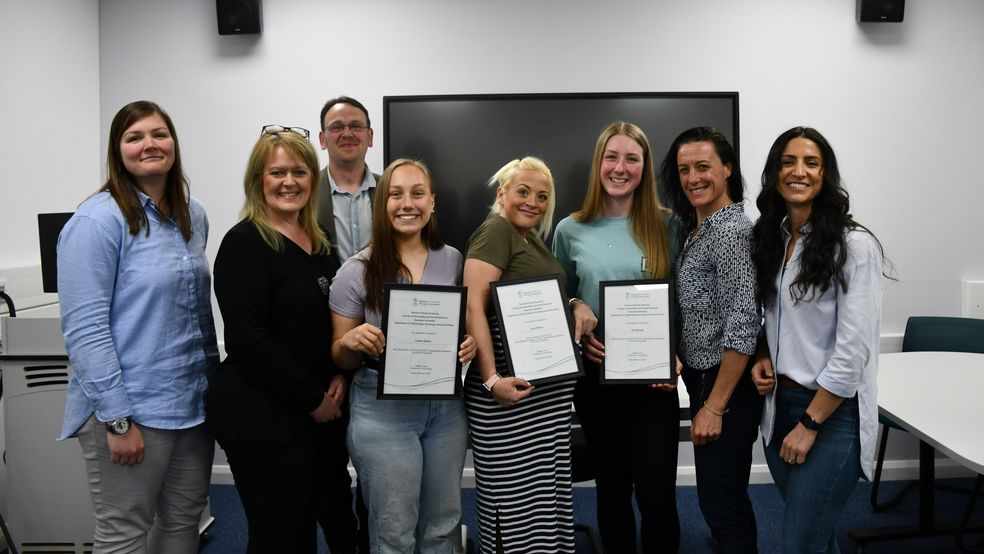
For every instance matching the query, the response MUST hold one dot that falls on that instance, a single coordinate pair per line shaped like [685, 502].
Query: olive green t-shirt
[498, 243]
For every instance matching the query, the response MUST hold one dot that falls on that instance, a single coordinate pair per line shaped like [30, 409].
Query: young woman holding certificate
[520, 433]
[409, 453]
[632, 431]
[820, 277]
[701, 182]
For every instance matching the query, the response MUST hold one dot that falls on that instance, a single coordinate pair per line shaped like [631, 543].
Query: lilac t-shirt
[348, 288]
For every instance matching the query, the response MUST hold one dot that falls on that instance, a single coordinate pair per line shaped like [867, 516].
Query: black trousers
[286, 488]
[632, 432]
[723, 466]
[333, 504]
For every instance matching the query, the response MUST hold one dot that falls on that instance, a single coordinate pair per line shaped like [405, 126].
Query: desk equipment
[48, 505]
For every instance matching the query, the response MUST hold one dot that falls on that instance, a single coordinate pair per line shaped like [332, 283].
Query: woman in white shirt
[820, 282]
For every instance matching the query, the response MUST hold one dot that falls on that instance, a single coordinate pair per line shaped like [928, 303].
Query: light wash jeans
[815, 492]
[154, 506]
[409, 455]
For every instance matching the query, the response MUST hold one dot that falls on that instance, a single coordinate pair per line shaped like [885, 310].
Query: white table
[939, 398]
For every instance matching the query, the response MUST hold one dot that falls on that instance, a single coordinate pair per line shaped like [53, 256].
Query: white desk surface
[939, 397]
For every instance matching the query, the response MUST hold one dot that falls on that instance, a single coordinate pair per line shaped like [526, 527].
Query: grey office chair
[927, 334]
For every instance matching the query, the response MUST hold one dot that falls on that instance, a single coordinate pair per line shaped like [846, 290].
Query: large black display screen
[465, 139]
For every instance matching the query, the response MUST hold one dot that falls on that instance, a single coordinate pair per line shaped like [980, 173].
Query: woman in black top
[275, 404]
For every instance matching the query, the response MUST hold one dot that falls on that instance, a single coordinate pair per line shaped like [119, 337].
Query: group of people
[299, 282]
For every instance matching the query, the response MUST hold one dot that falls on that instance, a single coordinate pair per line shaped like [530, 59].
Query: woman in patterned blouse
[701, 182]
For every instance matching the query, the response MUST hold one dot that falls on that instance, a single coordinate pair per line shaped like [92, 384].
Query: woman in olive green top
[520, 434]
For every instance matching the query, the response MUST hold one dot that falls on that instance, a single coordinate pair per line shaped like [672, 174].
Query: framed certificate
[638, 332]
[424, 326]
[537, 330]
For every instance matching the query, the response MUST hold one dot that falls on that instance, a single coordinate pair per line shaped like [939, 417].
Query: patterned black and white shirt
[716, 289]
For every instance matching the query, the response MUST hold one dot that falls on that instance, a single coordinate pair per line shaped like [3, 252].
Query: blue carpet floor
[228, 533]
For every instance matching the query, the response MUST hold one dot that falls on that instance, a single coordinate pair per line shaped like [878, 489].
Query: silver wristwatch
[119, 426]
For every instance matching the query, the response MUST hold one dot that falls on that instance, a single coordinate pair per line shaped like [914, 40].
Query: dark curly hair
[824, 248]
[670, 189]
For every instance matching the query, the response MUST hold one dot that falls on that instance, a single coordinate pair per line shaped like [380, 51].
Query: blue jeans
[409, 455]
[815, 491]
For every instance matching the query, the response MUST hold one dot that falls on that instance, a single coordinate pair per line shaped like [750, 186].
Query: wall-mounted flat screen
[464, 139]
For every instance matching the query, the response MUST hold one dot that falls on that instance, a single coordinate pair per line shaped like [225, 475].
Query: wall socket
[972, 298]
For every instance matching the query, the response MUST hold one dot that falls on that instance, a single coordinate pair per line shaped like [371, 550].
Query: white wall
[899, 102]
[49, 116]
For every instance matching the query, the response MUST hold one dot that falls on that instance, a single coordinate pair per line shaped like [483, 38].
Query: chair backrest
[949, 334]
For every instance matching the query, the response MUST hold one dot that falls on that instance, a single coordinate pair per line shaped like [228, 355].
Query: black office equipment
[239, 17]
[464, 139]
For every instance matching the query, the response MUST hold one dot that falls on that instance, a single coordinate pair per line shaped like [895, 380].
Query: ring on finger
[791, 460]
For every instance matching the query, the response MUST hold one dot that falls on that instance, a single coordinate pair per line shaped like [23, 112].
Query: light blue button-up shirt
[136, 316]
[353, 215]
[831, 340]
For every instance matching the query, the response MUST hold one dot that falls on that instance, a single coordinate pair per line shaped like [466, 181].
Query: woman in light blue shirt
[134, 288]
[820, 282]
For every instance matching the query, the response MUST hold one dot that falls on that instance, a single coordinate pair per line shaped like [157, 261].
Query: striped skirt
[522, 460]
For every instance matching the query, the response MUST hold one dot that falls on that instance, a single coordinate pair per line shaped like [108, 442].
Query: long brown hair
[647, 218]
[384, 264]
[254, 207]
[122, 185]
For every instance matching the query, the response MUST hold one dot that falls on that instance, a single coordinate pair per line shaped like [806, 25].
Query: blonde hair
[254, 208]
[647, 217]
[503, 180]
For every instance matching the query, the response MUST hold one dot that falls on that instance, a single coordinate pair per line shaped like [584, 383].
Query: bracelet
[495, 378]
[713, 411]
[574, 301]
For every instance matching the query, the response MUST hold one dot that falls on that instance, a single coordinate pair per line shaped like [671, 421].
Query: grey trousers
[154, 506]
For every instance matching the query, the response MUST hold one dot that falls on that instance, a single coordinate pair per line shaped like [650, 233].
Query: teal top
[601, 250]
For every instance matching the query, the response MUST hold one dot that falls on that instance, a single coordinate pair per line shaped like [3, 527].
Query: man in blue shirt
[345, 200]
[347, 189]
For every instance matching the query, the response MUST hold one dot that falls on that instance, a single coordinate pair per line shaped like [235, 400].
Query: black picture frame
[394, 350]
[603, 288]
[559, 302]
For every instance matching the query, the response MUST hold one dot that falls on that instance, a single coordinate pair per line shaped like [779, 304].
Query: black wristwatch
[119, 426]
[807, 421]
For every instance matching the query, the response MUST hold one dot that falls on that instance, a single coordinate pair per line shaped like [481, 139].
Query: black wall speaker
[239, 17]
[881, 10]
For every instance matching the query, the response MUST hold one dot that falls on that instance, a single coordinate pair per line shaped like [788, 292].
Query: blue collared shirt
[716, 289]
[136, 316]
[353, 215]
[831, 340]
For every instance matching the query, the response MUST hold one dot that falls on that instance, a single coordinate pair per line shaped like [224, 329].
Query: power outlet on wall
[972, 298]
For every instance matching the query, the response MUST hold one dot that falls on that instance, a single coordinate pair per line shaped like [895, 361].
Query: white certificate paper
[536, 329]
[637, 327]
[423, 326]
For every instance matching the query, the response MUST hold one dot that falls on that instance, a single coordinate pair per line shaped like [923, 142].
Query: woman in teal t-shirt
[621, 233]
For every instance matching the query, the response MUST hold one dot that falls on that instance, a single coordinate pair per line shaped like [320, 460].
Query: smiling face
[704, 177]
[800, 173]
[621, 166]
[286, 184]
[524, 201]
[343, 145]
[410, 203]
[147, 149]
